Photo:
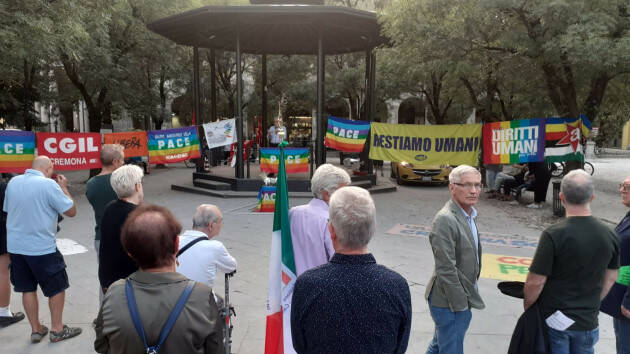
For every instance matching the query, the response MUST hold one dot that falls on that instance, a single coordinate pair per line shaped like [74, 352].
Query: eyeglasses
[469, 185]
[624, 187]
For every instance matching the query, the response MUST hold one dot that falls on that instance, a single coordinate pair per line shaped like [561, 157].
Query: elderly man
[150, 237]
[309, 223]
[352, 304]
[33, 202]
[574, 266]
[114, 263]
[617, 302]
[200, 255]
[452, 289]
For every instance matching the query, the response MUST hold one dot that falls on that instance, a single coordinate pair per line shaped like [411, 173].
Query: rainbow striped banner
[17, 150]
[173, 145]
[266, 199]
[296, 160]
[516, 141]
[346, 135]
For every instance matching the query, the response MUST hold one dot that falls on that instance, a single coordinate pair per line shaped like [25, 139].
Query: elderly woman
[114, 263]
[150, 237]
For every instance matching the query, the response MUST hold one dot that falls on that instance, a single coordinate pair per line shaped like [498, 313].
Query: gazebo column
[371, 102]
[239, 109]
[213, 85]
[265, 119]
[320, 152]
[196, 101]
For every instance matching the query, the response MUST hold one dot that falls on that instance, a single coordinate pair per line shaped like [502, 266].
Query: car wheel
[399, 180]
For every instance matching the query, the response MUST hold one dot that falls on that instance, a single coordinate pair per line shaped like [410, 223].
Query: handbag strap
[190, 244]
[170, 322]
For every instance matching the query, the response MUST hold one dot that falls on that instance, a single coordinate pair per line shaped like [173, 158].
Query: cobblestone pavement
[246, 235]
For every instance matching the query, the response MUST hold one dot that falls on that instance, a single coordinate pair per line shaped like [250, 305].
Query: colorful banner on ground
[18, 150]
[282, 273]
[500, 267]
[517, 141]
[296, 160]
[426, 144]
[564, 138]
[346, 135]
[173, 145]
[266, 199]
[71, 151]
[220, 133]
[135, 143]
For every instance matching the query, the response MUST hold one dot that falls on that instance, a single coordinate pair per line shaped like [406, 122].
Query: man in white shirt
[277, 133]
[200, 260]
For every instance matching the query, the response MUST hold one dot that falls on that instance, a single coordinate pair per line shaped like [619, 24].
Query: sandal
[66, 332]
[36, 337]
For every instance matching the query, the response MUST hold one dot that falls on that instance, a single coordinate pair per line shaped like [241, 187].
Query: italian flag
[281, 271]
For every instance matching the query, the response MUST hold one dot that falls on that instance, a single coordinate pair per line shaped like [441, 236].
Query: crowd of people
[152, 272]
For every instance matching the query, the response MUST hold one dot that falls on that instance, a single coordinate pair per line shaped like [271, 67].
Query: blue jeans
[450, 329]
[622, 334]
[490, 176]
[572, 342]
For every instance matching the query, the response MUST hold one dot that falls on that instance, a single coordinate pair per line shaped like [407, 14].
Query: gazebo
[279, 29]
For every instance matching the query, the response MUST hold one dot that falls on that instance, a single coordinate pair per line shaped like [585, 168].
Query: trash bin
[558, 208]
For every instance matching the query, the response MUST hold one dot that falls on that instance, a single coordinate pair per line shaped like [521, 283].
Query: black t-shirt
[114, 263]
[574, 255]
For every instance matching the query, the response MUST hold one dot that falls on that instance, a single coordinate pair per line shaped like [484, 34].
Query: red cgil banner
[71, 151]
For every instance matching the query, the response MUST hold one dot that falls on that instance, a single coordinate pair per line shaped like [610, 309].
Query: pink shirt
[309, 232]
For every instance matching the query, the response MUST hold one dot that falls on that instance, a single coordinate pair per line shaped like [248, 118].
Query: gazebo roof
[274, 29]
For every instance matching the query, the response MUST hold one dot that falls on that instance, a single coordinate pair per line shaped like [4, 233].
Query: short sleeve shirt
[32, 203]
[574, 255]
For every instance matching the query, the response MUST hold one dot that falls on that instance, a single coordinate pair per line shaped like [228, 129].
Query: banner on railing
[296, 160]
[18, 150]
[564, 138]
[517, 141]
[173, 145]
[220, 133]
[135, 143]
[71, 151]
[346, 135]
[426, 144]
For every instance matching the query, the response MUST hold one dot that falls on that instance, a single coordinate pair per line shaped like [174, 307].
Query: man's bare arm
[609, 279]
[534, 285]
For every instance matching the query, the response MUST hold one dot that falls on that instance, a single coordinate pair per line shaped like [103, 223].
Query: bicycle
[558, 169]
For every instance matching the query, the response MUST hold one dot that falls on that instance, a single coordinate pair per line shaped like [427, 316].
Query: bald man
[200, 256]
[32, 203]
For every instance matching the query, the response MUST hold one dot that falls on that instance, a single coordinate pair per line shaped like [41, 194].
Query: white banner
[220, 133]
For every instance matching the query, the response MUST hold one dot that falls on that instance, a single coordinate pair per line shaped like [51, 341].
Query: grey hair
[353, 216]
[124, 180]
[577, 187]
[456, 175]
[111, 152]
[328, 177]
[204, 216]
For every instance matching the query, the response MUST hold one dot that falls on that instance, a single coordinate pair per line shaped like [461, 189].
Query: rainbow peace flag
[17, 150]
[346, 135]
[564, 138]
[173, 145]
[516, 141]
[295, 159]
[266, 199]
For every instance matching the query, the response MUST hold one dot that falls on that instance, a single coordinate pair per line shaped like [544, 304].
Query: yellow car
[408, 172]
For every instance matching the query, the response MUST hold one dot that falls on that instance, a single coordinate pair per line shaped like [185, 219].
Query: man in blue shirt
[351, 304]
[33, 202]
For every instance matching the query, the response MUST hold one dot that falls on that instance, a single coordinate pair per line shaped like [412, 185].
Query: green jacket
[198, 329]
[456, 267]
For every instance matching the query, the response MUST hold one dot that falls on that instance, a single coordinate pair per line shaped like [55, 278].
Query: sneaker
[66, 332]
[514, 202]
[36, 337]
[9, 320]
[534, 206]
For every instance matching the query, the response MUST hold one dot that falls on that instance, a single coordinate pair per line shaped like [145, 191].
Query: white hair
[205, 215]
[456, 175]
[124, 180]
[577, 187]
[353, 216]
[328, 177]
